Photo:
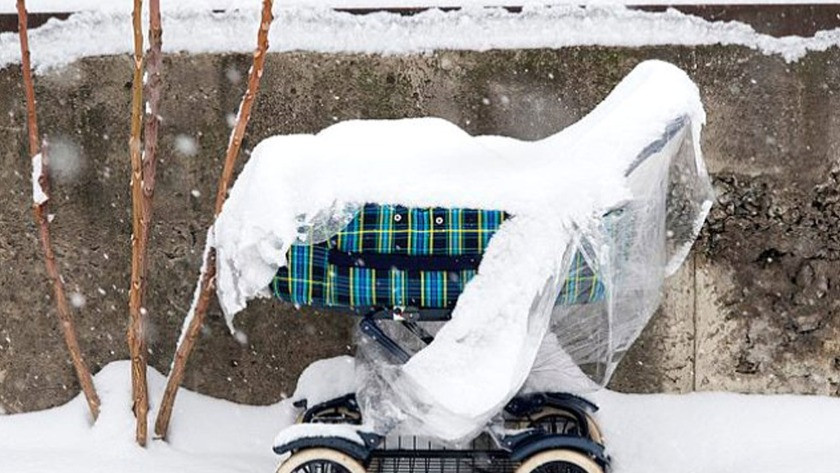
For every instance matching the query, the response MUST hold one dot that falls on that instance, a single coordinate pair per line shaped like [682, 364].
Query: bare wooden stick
[136, 332]
[208, 277]
[152, 88]
[154, 59]
[40, 214]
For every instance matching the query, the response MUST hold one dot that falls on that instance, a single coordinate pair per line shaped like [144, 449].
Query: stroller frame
[544, 422]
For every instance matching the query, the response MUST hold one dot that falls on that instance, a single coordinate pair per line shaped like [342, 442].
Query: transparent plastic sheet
[386, 414]
[326, 223]
[633, 248]
[259, 261]
[393, 405]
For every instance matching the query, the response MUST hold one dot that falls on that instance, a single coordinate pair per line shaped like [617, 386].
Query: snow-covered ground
[695, 433]
[208, 435]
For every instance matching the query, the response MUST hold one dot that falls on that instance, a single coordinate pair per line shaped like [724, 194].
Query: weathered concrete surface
[662, 359]
[754, 310]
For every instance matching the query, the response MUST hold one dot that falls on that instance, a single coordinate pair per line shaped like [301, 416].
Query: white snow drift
[696, 433]
[207, 435]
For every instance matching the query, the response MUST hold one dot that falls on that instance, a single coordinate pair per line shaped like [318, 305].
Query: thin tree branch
[29, 88]
[152, 88]
[40, 174]
[208, 276]
[136, 329]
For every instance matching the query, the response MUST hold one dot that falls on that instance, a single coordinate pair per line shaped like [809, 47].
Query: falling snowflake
[77, 300]
[186, 145]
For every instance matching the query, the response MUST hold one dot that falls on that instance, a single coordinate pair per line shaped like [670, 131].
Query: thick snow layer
[553, 187]
[106, 31]
[696, 433]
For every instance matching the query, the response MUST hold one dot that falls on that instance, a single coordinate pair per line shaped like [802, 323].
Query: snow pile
[326, 379]
[207, 435]
[194, 28]
[558, 189]
[697, 433]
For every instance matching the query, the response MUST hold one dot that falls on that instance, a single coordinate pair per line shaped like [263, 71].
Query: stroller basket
[412, 460]
[390, 256]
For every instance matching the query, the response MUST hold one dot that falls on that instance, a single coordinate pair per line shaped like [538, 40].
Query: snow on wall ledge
[299, 28]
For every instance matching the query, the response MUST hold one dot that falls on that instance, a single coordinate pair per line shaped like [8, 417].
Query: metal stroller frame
[559, 424]
[551, 432]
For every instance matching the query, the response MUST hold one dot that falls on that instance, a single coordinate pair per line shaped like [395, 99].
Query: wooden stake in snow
[195, 318]
[40, 195]
[140, 224]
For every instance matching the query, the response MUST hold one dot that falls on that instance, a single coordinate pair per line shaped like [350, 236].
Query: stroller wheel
[320, 460]
[559, 421]
[559, 461]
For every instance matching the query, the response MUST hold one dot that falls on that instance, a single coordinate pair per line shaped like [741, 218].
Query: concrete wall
[755, 309]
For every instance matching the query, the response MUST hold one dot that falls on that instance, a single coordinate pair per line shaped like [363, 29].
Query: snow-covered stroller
[456, 370]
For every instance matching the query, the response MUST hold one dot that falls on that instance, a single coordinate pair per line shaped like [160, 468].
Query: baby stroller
[404, 271]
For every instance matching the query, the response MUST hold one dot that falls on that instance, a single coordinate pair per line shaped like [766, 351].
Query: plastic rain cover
[395, 400]
[632, 248]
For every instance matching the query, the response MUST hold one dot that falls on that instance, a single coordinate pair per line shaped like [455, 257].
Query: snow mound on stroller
[302, 188]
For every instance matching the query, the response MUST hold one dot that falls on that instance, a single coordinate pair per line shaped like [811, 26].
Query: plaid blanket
[394, 256]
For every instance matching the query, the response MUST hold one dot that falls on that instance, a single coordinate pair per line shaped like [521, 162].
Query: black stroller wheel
[557, 421]
[320, 460]
[559, 461]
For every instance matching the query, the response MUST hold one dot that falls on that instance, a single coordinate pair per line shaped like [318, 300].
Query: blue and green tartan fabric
[394, 256]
